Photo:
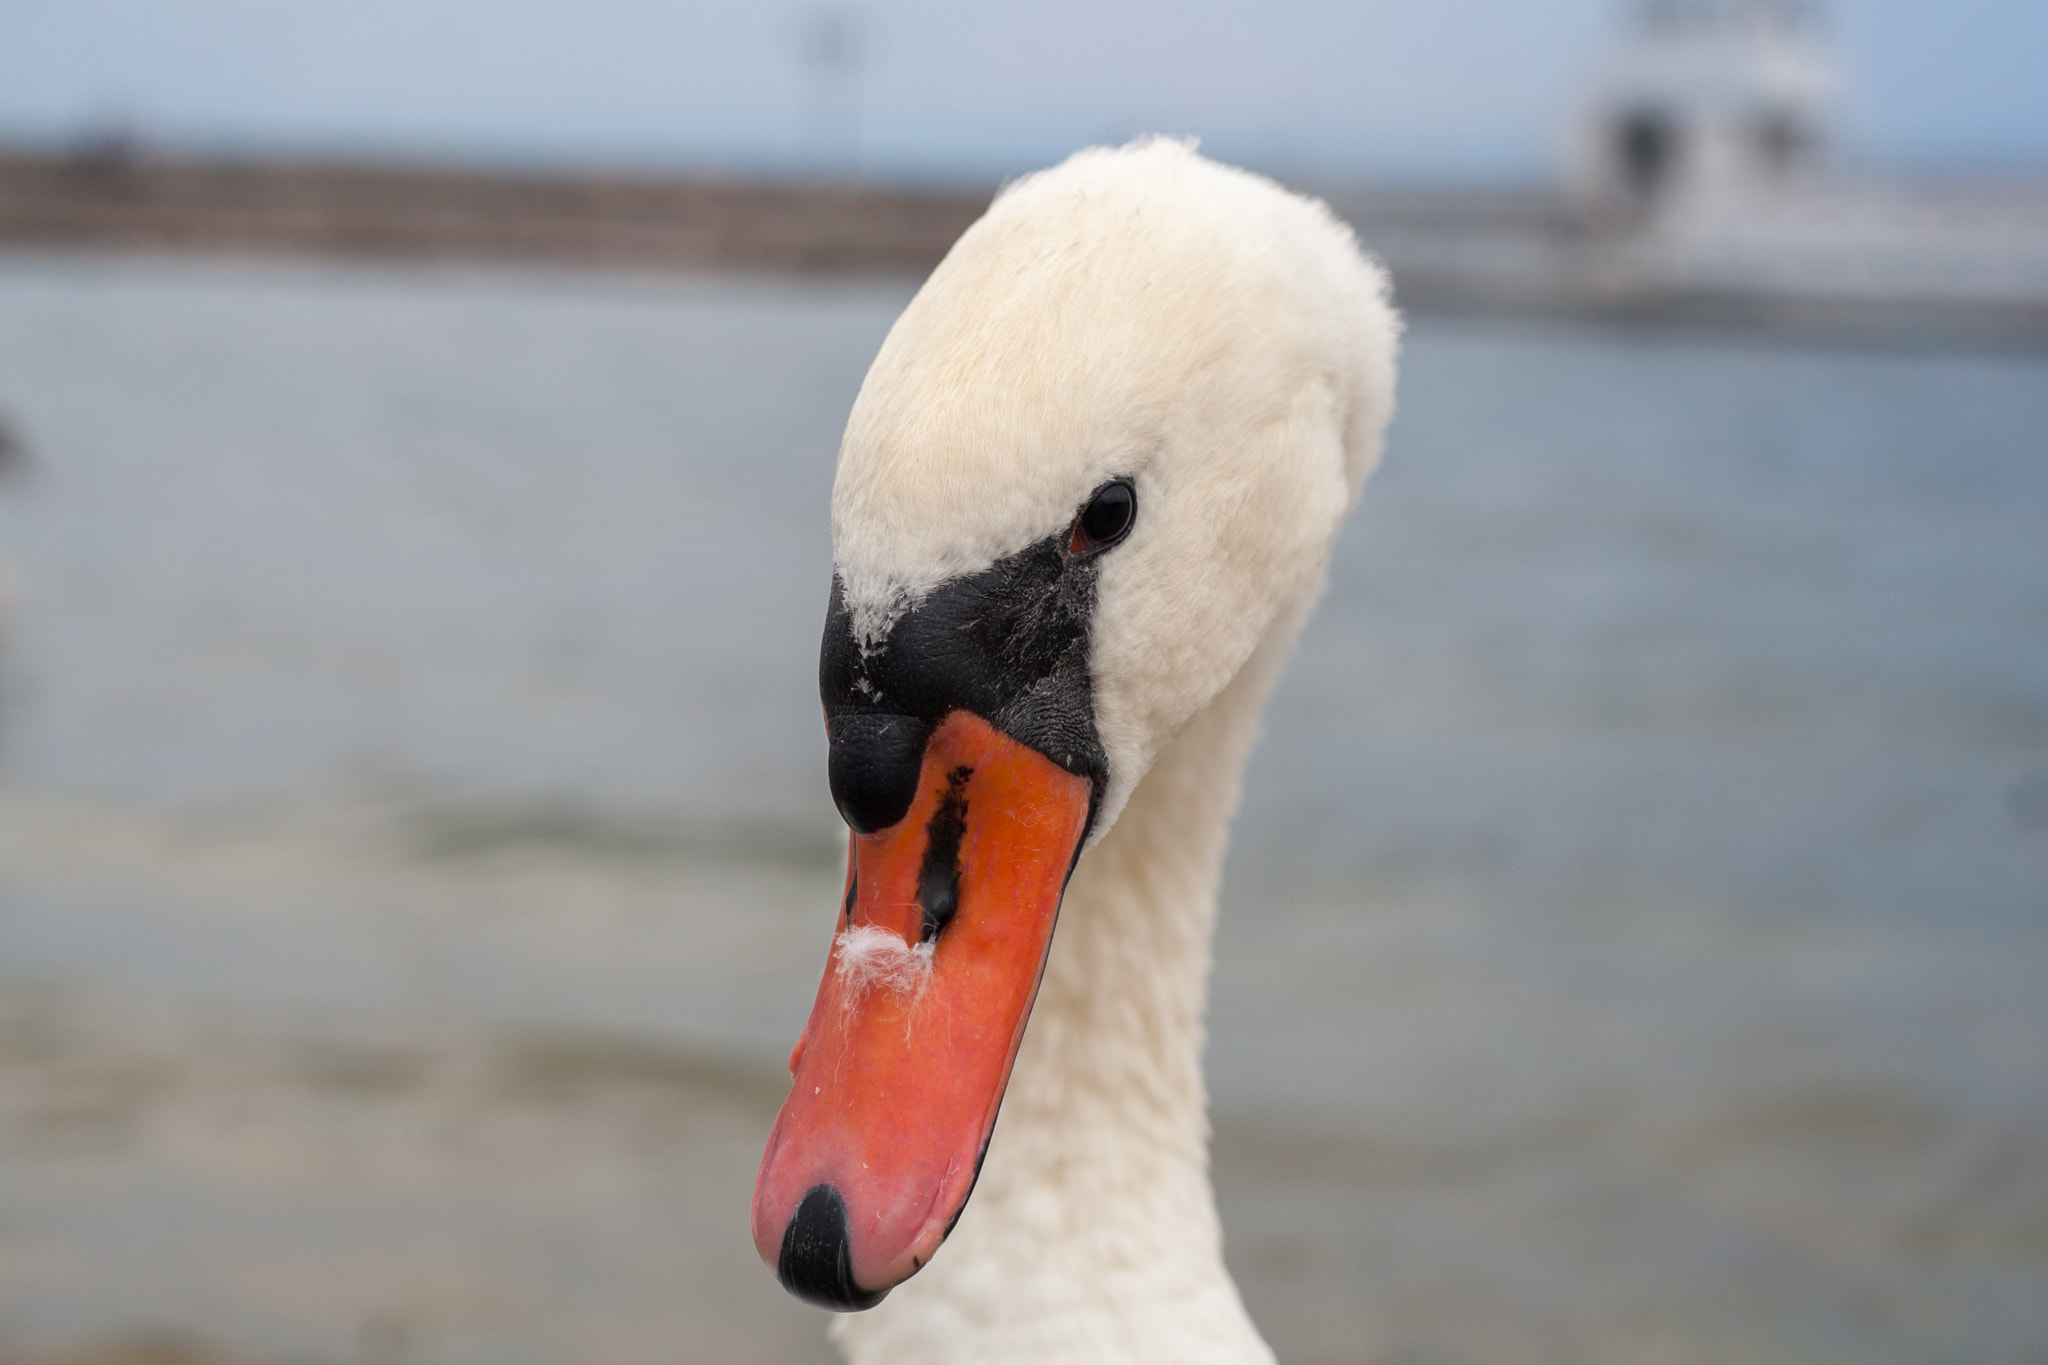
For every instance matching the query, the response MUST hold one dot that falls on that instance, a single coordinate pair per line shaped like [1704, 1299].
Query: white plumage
[1134, 311]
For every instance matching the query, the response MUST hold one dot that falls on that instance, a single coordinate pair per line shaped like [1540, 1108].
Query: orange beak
[901, 1069]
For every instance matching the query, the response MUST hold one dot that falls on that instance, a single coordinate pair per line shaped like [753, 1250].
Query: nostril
[938, 881]
[816, 1263]
[874, 766]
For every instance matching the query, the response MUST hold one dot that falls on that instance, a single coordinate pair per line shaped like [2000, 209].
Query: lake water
[415, 858]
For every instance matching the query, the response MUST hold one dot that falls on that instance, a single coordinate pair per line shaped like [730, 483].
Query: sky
[947, 90]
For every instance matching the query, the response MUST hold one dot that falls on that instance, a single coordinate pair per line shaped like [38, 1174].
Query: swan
[1084, 501]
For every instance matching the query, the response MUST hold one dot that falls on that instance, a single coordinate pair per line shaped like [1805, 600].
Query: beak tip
[816, 1262]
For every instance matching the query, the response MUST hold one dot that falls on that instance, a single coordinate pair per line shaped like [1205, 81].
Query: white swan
[1085, 500]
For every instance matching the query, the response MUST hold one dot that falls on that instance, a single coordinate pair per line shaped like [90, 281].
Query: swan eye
[1106, 519]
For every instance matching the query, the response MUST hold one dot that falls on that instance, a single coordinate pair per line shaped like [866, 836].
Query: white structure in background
[1707, 108]
[1701, 158]
[1702, 179]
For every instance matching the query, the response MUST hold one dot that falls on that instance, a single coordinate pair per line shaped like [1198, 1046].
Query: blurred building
[1702, 162]
[1702, 177]
[1709, 105]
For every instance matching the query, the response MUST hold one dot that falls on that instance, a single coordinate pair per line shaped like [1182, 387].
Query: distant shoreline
[114, 200]
[1471, 251]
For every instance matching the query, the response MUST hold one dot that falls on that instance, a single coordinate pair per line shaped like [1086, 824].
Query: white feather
[871, 957]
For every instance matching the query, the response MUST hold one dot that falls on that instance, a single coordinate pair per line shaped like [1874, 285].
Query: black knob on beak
[874, 767]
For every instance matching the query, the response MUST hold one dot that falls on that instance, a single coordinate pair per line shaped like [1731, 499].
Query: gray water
[415, 855]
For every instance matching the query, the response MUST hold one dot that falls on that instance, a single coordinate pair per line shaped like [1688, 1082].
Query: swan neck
[1092, 1234]
[1126, 988]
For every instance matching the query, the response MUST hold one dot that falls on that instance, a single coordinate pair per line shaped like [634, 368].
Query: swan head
[1102, 453]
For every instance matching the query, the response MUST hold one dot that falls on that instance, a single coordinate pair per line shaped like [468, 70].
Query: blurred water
[415, 858]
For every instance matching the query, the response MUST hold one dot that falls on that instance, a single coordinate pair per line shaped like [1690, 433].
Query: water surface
[415, 856]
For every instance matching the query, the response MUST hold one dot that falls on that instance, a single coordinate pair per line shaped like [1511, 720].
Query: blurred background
[416, 428]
